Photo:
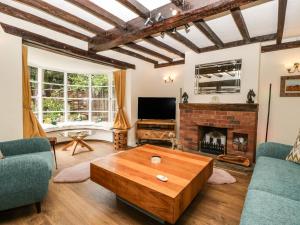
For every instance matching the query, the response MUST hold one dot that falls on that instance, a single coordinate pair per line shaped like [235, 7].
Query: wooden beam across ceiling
[240, 22]
[40, 21]
[148, 51]
[208, 32]
[134, 54]
[40, 41]
[136, 7]
[180, 38]
[281, 19]
[164, 46]
[218, 6]
[99, 12]
[282, 46]
[68, 17]
[174, 63]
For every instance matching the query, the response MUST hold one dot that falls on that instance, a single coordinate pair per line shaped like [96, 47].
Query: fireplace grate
[212, 148]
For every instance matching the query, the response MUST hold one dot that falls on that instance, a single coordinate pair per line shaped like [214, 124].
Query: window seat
[103, 131]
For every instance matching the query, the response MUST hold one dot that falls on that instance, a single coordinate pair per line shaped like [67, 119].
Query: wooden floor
[89, 203]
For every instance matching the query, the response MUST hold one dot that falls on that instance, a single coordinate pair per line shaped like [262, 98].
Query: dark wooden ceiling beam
[174, 63]
[209, 33]
[40, 41]
[40, 21]
[263, 38]
[281, 19]
[219, 6]
[282, 46]
[164, 46]
[148, 51]
[134, 54]
[136, 7]
[68, 17]
[99, 12]
[180, 38]
[240, 22]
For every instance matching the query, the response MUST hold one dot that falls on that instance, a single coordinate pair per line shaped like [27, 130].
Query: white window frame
[39, 97]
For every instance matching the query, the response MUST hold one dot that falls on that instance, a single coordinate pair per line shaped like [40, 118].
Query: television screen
[156, 108]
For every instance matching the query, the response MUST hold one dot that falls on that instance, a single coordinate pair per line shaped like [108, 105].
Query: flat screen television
[156, 108]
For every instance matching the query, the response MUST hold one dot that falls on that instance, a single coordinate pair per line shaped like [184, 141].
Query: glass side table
[77, 137]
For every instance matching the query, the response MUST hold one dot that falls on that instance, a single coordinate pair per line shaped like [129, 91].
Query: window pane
[53, 77]
[100, 105]
[114, 105]
[53, 118]
[53, 104]
[33, 71]
[113, 92]
[82, 116]
[100, 92]
[78, 92]
[99, 80]
[34, 88]
[51, 90]
[78, 79]
[34, 104]
[100, 117]
[78, 105]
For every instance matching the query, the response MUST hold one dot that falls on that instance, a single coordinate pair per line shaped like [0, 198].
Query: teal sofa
[24, 172]
[273, 196]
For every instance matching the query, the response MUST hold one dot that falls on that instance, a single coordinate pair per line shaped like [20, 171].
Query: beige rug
[81, 172]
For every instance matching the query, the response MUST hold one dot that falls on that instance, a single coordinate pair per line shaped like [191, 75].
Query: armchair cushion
[294, 155]
[24, 146]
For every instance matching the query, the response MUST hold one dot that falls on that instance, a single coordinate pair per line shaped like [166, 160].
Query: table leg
[77, 142]
[54, 155]
[68, 145]
[84, 144]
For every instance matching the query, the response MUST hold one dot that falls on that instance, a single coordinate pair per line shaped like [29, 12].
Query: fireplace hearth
[212, 140]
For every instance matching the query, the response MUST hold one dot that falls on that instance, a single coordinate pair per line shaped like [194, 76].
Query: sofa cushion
[294, 155]
[263, 208]
[276, 176]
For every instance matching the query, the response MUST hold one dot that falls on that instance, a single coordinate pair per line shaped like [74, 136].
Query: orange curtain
[121, 121]
[31, 126]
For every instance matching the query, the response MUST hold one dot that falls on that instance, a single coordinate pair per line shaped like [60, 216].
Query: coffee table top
[180, 167]
[77, 133]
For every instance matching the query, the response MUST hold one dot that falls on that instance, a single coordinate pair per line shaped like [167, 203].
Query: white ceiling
[260, 20]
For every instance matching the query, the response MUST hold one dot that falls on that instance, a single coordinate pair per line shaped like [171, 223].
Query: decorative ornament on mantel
[185, 98]
[250, 95]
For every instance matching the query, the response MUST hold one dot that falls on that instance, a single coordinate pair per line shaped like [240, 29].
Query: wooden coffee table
[132, 177]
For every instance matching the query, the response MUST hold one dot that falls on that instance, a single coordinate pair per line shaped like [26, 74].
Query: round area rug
[220, 176]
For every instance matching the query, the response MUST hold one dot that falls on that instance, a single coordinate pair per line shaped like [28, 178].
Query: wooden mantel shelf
[243, 107]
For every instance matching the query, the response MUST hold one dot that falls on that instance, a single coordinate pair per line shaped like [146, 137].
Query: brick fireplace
[219, 128]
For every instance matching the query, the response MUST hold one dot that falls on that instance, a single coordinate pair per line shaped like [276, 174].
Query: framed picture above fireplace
[218, 78]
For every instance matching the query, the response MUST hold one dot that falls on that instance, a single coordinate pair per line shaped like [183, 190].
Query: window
[60, 97]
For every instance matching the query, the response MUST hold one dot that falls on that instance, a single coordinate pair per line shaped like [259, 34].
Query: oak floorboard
[89, 203]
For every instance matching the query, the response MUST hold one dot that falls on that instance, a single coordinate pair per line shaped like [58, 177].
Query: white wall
[11, 114]
[250, 55]
[45, 59]
[285, 111]
[146, 81]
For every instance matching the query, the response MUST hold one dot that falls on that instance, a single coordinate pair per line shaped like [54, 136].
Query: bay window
[60, 98]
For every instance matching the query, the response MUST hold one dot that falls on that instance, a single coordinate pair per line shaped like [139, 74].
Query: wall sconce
[169, 79]
[294, 69]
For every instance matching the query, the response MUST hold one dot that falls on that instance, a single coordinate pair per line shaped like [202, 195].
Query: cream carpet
[81, 172]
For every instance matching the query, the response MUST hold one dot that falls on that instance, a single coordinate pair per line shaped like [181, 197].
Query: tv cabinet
[155, 130]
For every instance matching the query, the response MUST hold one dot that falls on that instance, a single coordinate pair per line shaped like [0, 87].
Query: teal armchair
[25, 172]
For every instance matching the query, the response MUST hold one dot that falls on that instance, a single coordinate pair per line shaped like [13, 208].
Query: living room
[96, 95]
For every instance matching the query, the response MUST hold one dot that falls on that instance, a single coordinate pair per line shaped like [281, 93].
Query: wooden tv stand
[155, 130]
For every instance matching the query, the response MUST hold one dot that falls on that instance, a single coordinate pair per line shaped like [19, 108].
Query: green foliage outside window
[53, 77]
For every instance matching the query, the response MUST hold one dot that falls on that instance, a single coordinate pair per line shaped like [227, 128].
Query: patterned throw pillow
[294, 155]
[1, 155]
